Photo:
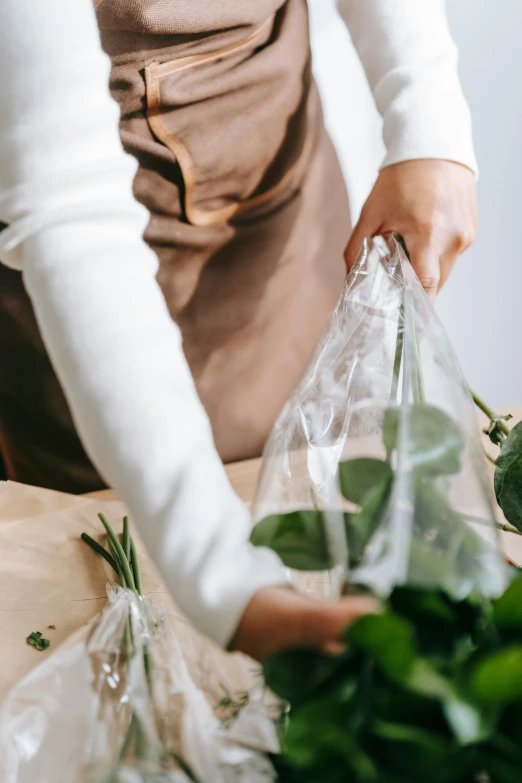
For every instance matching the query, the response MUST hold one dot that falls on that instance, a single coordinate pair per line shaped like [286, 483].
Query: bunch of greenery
[146, 755]
[431, 689]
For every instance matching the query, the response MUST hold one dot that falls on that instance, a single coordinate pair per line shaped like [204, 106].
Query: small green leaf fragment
[36, 640]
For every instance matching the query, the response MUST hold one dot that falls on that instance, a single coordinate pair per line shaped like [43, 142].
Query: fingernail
[334, 647]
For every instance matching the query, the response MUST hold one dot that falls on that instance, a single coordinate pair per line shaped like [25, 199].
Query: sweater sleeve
[410, 61]
[75, 231]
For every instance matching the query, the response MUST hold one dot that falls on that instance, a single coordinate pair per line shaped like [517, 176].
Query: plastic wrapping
[86, 713]
[374, 473]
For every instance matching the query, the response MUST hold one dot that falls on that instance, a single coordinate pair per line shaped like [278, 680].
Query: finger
[446, 265]
[425, 260]
[462, 240]
[334, 647]
[326, 622]
[362, 230]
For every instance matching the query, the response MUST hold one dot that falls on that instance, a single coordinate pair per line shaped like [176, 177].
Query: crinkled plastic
[85, 714]
[378, 452]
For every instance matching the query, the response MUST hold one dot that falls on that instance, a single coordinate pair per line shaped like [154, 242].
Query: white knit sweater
[75, 231]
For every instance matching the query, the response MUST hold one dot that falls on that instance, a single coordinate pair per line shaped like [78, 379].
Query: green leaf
[470, 722]
[360, 527]
[507, 610]
[315, 731]
[508, 477]
[445, 550]
[435, 441]
[320, 744]
[497, 678]
[409, 754]
[441, 625]
[357, 477]
[294, 675]
[425, 680]
[299, 539]
[423, 605]
[399, 732]
[389, 639]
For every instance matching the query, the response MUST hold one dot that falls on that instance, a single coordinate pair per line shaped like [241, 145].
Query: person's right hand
[278, 618]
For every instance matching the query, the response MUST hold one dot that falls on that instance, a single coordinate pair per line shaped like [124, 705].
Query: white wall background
[481, 306]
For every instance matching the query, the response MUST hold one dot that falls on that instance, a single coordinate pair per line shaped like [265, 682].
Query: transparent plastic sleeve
[374, 473]
[98, 712]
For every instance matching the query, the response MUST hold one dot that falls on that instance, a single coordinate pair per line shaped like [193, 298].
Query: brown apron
[249, 217]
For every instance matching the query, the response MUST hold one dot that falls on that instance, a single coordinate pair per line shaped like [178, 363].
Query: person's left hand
[433, 205]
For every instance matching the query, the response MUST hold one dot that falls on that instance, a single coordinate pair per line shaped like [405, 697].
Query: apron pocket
[237, 120]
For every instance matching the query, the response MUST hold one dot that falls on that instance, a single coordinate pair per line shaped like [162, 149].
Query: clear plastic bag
[374, 473]
[93, 712]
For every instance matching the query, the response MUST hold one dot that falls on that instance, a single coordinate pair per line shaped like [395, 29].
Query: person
[248, 222]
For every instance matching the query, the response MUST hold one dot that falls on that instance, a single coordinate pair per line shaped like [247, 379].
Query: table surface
[242, 475]
[45, 526]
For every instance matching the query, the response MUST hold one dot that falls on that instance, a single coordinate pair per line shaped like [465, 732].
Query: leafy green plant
[430, 690]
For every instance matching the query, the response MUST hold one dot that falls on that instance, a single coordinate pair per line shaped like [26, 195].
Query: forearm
[410, 61]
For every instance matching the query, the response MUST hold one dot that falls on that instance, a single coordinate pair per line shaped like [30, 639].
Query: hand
[278, 618]
[433, 205]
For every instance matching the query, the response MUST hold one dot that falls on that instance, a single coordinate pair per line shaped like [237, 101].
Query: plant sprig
[508, 465]
[124, 561]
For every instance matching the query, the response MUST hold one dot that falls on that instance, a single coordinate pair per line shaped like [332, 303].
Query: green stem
[135, 567]
[147, 661]
[118, 564]
[100, 550]
[417, 378]
[398, 355]
[508, 528]
[490, 413]
[142, 744]
[128, 737]
[127, 632]
[129, 646]
[129, 579]
[126, 538]
[499, 525]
